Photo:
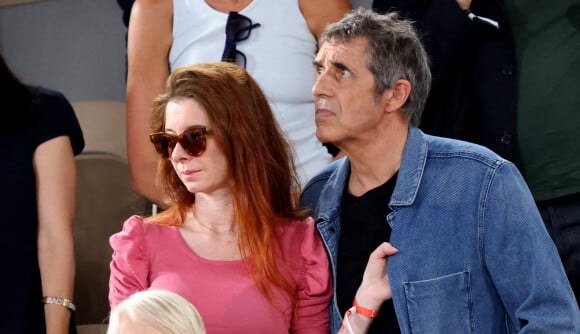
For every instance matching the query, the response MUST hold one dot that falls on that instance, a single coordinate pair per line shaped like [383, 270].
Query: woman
[40, 136]
[164, 35]
[232, 242]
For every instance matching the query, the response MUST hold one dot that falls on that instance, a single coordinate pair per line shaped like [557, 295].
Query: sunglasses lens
[163, 143]
[230, 54]
[238, 27]
[234, 56]
[193, 142]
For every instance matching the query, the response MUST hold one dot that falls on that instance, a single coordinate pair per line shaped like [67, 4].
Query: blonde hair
[162, 310]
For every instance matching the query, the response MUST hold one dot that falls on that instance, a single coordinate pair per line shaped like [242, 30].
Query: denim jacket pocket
[440, 305]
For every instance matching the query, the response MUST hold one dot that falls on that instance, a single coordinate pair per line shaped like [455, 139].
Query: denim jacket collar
[411, 170]
[408, 180]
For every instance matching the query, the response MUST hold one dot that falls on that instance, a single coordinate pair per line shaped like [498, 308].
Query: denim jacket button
[331, 230]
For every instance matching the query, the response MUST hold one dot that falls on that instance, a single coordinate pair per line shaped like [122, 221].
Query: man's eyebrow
[316, 63]
[340, 66]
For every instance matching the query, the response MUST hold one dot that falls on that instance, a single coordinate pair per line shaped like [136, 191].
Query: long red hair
[263, 177]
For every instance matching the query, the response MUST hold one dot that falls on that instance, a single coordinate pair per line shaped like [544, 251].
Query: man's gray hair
[394, 52]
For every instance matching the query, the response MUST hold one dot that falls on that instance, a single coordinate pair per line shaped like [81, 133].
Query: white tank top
[279, 56]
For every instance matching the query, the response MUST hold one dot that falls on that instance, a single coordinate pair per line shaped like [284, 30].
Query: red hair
[263, 176]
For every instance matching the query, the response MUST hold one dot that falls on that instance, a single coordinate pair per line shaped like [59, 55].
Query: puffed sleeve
[130, 263]
[314, 284]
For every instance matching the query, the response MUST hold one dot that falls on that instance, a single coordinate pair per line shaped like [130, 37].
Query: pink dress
[151, 256]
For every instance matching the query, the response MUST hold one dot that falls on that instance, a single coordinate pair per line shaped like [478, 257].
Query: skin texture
[149, 41]
[55, 173]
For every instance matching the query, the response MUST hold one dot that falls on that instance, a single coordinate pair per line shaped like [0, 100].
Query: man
[473, 253]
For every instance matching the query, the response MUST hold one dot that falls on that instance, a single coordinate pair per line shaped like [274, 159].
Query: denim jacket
[474, 255]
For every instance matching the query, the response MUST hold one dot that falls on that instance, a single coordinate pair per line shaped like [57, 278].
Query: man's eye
[344, 72]
[318, 70]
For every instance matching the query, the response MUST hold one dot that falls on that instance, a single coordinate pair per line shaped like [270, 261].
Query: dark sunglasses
[192, 140]
[238, 28]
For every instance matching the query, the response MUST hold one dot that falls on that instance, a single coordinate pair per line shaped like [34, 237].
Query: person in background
[274, 40]
[126, 6]
[547, 38]
[40, 136]
[472, 60]
[470, 250]
[155, 312]
[233, 242]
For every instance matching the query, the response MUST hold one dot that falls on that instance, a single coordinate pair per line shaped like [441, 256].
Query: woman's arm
[373, 291]
[55, 173]
[130, 263]
[149, 41]
[319, 13]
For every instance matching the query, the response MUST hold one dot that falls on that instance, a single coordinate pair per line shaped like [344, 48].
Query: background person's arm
[148, 45]
[319, 13]
[55, 173]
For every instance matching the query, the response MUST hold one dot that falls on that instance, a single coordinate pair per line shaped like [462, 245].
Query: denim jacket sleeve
[522, 260]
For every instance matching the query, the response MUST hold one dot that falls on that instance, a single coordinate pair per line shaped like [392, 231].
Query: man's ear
[397, 95]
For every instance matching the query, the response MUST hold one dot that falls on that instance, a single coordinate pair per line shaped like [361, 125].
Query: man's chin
[324, 137]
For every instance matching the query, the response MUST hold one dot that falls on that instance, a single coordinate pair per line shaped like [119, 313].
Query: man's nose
[321, 87]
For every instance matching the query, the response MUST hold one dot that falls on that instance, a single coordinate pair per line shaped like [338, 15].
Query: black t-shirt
[52, 116]
[363, 227]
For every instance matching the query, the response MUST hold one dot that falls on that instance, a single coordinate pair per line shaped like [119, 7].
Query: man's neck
[375, 162]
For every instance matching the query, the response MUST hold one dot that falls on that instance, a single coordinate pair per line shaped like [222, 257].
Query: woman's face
[207, 173]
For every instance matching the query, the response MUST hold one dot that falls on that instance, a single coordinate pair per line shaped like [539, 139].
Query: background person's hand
[464, 4]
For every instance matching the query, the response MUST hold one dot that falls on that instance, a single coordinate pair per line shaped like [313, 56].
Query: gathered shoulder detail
[311, 273]
[131, 261]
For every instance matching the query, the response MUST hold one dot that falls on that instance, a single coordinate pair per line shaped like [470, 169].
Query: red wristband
[367, 312]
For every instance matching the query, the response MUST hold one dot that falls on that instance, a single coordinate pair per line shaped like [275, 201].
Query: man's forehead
[336, 48]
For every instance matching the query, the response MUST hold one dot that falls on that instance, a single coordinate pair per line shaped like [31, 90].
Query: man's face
[344, 93]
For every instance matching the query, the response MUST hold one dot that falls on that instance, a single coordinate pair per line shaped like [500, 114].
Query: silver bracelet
[59, 301]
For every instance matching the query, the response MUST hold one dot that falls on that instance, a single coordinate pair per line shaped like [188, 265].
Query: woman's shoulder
[293, 229]
[305, 257]
[136, 222]
[298, 239]
[138, 230]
